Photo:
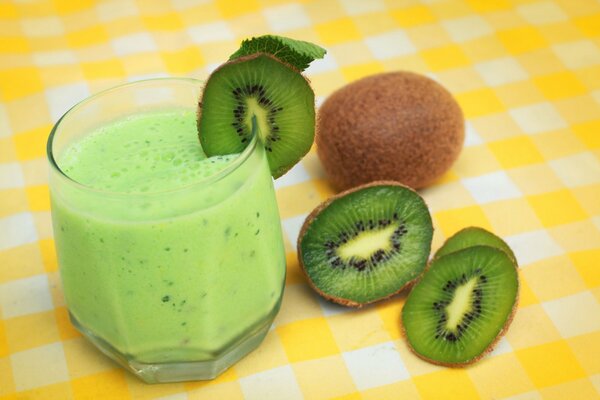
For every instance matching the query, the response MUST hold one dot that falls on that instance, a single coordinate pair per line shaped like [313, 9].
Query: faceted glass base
[180, 371]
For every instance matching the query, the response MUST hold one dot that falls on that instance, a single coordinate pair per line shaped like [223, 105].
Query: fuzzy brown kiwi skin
[411, 125]
[280, 172]
[315, 213]
[491, 346]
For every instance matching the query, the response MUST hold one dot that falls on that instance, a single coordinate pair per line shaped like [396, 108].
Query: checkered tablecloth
[527, 74]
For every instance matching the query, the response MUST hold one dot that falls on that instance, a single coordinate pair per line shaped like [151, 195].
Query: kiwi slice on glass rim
[461, 306]
[473, 236]
[366, 244]
[263, 80]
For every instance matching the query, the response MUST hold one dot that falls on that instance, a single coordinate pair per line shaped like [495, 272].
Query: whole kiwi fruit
[398, 126]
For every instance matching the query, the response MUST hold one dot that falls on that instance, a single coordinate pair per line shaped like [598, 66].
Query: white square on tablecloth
[577, 170]
[491, 187]
[543, 12]
[5, 129]
[185, 4]
[113, 10]
[467, 28]
[294, 176]
[375, 366]
[596, 95]
[329, 308]
[596, 221]
[579, 54]
[16, 230]
[472, 138]
[277, 383]
[291, 227]
[568, 317]
[390, 44]
[286, 17]
[319, 100]
[595, 379]
[60, 57]
[177, 396]
[43, 26]
[40, 366]
[25, 296]
[501, 71]
[62, 98]
[213, 32]
[530, 247]
[133, 44]
[209, 68]
[502, 347]
[11, 176]
[325, 64]
[357, 7]
[537, 118]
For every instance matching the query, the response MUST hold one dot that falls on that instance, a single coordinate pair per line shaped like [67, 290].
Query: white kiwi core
[367, 243]
[461, 303]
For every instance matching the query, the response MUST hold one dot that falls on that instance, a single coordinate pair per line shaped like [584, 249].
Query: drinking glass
[173, 284]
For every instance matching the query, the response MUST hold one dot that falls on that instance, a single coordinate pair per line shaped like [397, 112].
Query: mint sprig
[299, 54]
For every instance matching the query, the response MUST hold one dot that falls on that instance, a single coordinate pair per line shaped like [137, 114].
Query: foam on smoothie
[142, 153]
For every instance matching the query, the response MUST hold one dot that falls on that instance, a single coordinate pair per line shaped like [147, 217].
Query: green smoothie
[165, 254]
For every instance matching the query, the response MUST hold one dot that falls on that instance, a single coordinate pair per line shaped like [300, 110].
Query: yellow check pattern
[527, 75]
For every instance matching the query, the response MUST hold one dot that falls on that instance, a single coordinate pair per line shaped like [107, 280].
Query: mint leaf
[297, 53]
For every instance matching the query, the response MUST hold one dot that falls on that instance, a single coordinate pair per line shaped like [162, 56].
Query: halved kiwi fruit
[259, 85]
[461, 306]
[366, 244]
[473, 236]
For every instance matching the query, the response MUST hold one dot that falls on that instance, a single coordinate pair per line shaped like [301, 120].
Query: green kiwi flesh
[366, 244]
[461, 306]
[278, 96]
[473, 236]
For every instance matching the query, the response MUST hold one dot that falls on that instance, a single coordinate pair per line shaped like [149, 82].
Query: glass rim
[230, 168]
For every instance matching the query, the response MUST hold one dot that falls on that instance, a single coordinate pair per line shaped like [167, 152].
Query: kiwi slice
[473, 236]
[461, 306]
[366, 244]
[278, 96]
[261, 80]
